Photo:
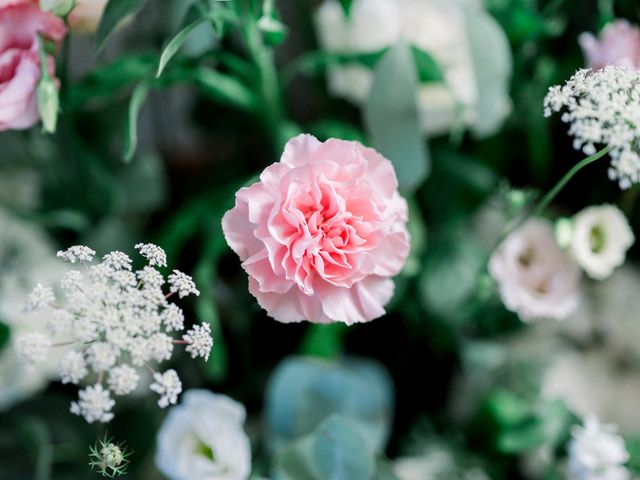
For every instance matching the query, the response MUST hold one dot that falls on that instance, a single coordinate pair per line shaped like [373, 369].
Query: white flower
[173, 318]
[33, 347]
[601, 237]
[183, 284]
[39, 298]
[117, 260]
[603, 108]
[597, 452]
[94, 404]
[203, 439]
[153, 253]
[437, 27]
[27, 256]
[199, 340]
[123, 380]
[101, 356]
[168, 386]
[78, 253]
[73, 367]
[535, 278]
[115, 319]
[160, 346]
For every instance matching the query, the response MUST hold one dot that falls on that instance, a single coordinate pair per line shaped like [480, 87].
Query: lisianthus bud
[563, 232]
[48, 103]
[61, 8]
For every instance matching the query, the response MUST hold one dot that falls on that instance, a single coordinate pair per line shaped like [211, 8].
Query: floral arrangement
[313, 240]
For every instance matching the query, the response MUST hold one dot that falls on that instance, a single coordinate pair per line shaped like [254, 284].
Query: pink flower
[618, 45]
[20, 23]
[322, 232]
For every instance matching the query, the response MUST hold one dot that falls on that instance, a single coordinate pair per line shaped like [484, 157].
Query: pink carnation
[322, 232]
[618, 45]
[20, 23]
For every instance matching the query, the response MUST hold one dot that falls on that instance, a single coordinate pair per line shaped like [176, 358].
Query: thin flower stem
[548, 198]
[180, 342]
[64, 344]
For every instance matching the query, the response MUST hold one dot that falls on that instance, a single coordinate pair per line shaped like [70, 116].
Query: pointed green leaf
[138, 97]
[114, 13]
[176, 42]
[391, 117]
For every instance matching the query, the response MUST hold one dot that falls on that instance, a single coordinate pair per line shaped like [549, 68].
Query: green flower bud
[48, 104]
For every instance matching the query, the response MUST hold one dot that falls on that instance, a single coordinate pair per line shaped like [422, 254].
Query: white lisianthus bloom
[597, 452]
[27, 256]
[601, 237]
[536, 279]
[203, 439]
[437, 27]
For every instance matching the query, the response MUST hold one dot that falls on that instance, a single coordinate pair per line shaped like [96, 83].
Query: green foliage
[138, 97]
[491, 58]
[114, 13]
[5, 335]
[391, 117]
[302, 392]
[334, 451]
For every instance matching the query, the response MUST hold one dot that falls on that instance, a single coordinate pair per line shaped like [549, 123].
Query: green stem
[269, 86]
[548, 198]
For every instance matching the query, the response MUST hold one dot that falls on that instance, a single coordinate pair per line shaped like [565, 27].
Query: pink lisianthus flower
[618, 44]
[21, 21]
[322, 232]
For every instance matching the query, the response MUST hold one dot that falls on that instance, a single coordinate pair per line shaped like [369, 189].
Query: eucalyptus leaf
[340, 452]
[391, 117]
[302, 392]
[114, 12]
[491, 56]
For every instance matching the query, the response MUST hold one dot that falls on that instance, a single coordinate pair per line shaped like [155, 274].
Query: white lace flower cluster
[114, 320]
[597, 451]
[602, 107]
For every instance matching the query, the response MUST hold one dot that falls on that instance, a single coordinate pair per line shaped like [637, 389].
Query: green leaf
[340, 453]
[223, 88]
[302, 392]
[176, 42]
[391, 117]
[428, 68]
[492, 62]
[138, 98]
[114, 13]
[346, 6]
[5, 334]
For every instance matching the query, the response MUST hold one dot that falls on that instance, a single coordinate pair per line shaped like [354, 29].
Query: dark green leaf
[223, 88]
[346, 6]
[428, 68]
[5, 334]
[114, 13]
[138, 97]
[391, 117]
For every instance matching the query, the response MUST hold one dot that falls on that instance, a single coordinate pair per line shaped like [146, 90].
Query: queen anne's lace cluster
[113, 319]
[602, 107]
